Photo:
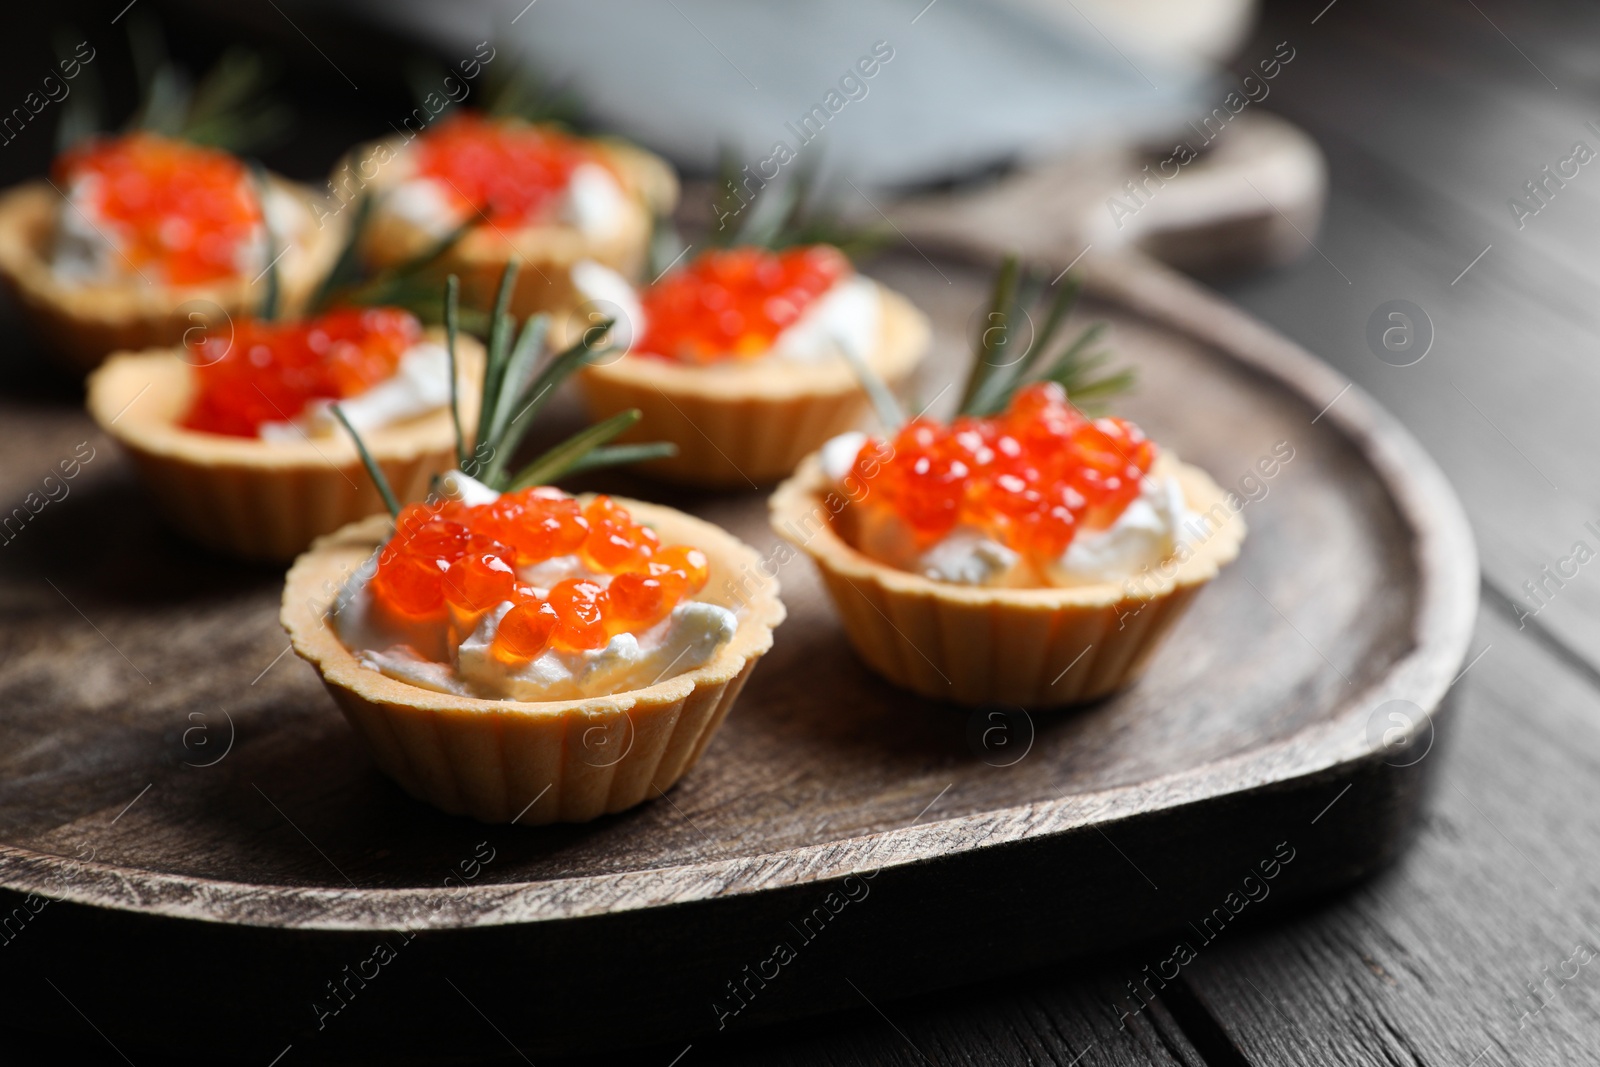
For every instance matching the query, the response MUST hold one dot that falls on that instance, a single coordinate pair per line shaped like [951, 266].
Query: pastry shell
[739, 425]
[83, 322]
[265, 500]
[531, 762]
[547, 252]
[974, 645]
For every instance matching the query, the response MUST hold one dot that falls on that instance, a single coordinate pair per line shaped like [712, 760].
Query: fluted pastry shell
[546, 252]
[740, 425]
[84, 322]
[265, 500]
[1040, 647]
[525, 761]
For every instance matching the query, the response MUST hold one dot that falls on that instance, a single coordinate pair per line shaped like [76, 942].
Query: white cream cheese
[967, 556]
[1147, 532]
[682, 641]
[425, 204]
[455, 657]
[846, 316]
[84, 243]
[838, 456]
[594, 202]
[420, 384]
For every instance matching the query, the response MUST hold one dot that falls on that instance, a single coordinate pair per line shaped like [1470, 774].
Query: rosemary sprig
[271, 299]
[374, 471]
[789, 213]
[564, 457]
[521, 91]
[515, 387]
[229, 108]
[82, 112]
[410, 284]
[452, 303]
[998, 373]
[883, 400]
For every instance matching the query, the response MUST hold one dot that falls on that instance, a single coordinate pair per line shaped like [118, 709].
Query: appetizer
[514, 653]
[232, 430]
[133, 240]
[745, 358]
[510, 189]
[1024, 552]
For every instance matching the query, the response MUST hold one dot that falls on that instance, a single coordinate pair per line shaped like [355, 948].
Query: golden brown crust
[751, 423]
[547, 252]
[491, 758]
[259, 499]
[973, 644]
[85, 322]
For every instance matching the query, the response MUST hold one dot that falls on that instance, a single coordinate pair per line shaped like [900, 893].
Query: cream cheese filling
[87, 248]
[593, 203]
[1147, 532]
[420, 384]
[454, 655]
[846, 316]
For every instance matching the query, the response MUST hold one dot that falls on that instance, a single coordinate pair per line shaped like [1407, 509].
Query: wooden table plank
[1476, 948]
[1433, 961]
[1432, 121]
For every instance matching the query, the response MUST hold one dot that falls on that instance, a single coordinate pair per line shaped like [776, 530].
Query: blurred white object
[887, 93]
[1193, 31]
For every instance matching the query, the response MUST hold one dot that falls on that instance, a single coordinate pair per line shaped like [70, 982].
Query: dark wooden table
[1476, 947]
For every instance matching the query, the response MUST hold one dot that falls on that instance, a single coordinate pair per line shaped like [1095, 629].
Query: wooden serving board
[217, 867]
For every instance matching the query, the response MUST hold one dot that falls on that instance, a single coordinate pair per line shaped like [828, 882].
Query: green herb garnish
[515, 386]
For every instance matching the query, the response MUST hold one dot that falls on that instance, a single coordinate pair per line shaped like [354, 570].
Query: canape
[516, 654]
[234, 436]
[1024, 553]
[509, 189]
[743, 358]
[135, 240]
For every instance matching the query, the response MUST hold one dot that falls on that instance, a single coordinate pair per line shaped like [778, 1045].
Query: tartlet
[531, 762]
[83, 321]
[547, 247]
[973, 644]
[749, 420]
[508, 651]
[1025, 553]
[258, 499]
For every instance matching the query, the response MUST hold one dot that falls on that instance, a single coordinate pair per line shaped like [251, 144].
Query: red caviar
[269, 371]
[175, 210]
[448, 555]
[733, 303]
[514, 172]
[1030, 477]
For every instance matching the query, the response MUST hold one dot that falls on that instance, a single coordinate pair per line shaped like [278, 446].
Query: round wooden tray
[198, 816]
